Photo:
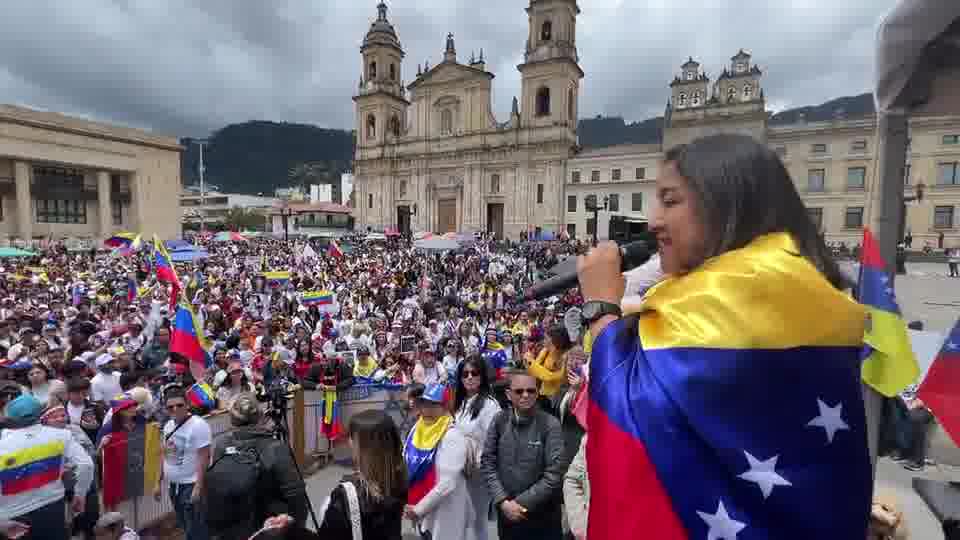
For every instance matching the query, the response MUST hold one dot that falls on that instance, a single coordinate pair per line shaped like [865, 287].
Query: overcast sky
[186, 67]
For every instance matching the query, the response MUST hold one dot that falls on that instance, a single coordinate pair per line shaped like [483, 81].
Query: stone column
[134, 218]
[103, 206]
[21, 175]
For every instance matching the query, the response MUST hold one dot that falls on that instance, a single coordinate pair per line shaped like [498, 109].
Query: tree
[240, 219]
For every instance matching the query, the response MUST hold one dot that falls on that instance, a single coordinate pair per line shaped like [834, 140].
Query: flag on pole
[333, 249]
[166, 273]
[188, 340]
[889, 365]
[132, 289]
[940, 389]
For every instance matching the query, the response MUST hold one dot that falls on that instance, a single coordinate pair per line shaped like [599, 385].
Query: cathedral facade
[431, 156]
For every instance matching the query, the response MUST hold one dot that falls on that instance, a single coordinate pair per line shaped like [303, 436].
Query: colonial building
[66, 177]
[431, 155]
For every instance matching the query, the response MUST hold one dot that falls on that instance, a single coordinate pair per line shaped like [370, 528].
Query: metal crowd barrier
[144, 511]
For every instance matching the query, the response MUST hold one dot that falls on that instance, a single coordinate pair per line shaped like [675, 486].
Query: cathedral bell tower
[381, 102]
[550, 73]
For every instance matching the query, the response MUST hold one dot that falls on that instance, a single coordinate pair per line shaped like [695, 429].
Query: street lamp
[202, 169]
[901, 258]
[285, 214]
[596, 212]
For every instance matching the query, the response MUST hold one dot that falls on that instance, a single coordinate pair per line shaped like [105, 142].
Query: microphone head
[635, 254]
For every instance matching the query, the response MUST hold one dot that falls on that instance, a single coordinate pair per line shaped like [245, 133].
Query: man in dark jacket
[523, 465]
[280, 490]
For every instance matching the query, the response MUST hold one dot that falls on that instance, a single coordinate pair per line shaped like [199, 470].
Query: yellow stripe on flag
[30, 455]
[151, 456]
[892, 365]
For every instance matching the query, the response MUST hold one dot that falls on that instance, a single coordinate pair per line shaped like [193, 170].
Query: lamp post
[285, 214]
[901, 257]
[202, 169]
[596, 213]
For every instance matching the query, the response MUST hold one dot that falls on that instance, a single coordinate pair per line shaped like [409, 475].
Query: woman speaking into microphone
[729, 407]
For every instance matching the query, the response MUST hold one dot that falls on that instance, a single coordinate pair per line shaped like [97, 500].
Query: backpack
[231, 485]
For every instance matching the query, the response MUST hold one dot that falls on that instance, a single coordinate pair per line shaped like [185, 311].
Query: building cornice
[75, 126]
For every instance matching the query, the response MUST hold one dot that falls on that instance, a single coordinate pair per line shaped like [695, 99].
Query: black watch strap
[596, 309]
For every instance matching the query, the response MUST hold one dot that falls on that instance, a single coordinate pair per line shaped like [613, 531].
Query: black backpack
[231, 484]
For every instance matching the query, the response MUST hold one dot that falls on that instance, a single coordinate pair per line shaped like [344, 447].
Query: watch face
[590, 311]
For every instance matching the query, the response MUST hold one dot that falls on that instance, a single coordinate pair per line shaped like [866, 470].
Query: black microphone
[632, 255]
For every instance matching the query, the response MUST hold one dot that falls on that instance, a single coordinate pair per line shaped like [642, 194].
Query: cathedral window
[372, 71]
[682, 99]
[731, 93]
[395, 126]
[689, 75]
[446, 122]
[393, 72]
[546, 31]
[495, 183]
[747, 92]
[403, 189]
[543, 102]
[741, 67]
[696, 99]
[571, 101]
[371, 127]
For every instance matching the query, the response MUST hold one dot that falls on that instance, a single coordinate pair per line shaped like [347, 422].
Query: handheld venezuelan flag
[890, 364]
[200, 396]
[121, 239]
[495, 355]
[738, 402]
[131, 463]
[166, 273]
[333, 249]
[940, 389]
[187, 339]
[132, 289]
[420, 453]
[277, 278]
[31, 468]
[317, 298]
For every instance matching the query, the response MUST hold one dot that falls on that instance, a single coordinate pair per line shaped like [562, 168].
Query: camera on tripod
[277, 396]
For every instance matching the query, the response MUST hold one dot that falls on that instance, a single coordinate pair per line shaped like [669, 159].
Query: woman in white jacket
[474, 410]
[438, 500]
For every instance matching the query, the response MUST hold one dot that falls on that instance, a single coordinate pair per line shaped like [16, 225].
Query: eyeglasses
[469, 373]
[521, 391]
[175, 406]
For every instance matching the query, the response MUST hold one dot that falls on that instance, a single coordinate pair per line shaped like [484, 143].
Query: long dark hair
[744, 192]
[484, 392]
[379, 451]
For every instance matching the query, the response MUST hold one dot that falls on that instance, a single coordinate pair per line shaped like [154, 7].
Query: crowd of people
[94, 370]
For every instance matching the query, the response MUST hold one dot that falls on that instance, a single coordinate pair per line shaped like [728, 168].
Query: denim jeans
[190, 516]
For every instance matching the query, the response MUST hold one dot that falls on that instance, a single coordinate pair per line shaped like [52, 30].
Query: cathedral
[431, 156]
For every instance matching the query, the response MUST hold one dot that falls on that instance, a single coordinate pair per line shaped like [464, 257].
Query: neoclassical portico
[66, 177]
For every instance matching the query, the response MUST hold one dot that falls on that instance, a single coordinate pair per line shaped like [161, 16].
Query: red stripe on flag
[419, 490]
[115, 469]
[187, 345]
[30, 482]
[627, 499]
[939, 392]
[871, 252]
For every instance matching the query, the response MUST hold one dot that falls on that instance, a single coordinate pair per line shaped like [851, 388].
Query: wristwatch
[595, 309]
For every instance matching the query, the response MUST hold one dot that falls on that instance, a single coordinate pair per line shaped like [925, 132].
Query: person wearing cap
[113, 526]
[106, 383]
[234, 382]
[280, 489]
[435, 452]
[33, 457]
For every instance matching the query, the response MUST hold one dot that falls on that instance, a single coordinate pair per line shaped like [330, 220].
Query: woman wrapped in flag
[733, 398]
[436, 451]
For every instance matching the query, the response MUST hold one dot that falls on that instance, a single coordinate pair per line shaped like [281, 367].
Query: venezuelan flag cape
[420, 453]
[496, 357]
[131, 464]
[31, 468]
[738, 403]
[331, 425]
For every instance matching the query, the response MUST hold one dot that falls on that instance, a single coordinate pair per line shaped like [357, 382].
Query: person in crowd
[426, 371]
[235, 384]
[576, 493]
[55, 416]
[523, 465]
[365, 366]
[550, 367]
[186, 453]
[279, 488]
[753, 295]
[438, 501]
[38, 382]
[569, 404]
[475, 408]
[33, 457]
[106, 383]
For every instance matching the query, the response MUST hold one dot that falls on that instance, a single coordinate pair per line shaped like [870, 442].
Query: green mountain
[259, 156]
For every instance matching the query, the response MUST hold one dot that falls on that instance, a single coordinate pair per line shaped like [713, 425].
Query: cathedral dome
[381, 31]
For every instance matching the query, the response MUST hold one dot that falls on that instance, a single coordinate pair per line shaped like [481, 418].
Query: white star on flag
[764, 474]
[884, 279]
[951, 345]
[830, 419]
[888, 290]
[722, 526]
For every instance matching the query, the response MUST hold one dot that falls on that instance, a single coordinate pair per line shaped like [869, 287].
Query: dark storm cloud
[185, 67]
